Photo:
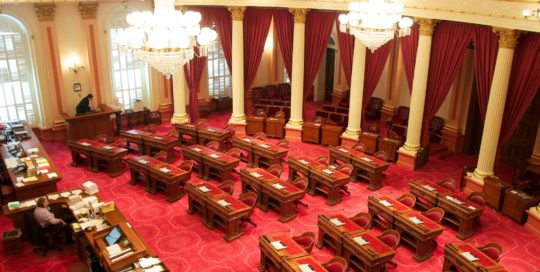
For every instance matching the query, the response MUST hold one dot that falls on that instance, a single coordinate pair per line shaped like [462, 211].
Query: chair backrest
[227, 186]
[407, 199]
[477, 198]
[270, 90]
[492, 250]
[390, 237]
[306, 240]
[336, 264]
[234, 152]
[283, 143]
[436, 124]
[300, 183]
[260, 112]
[260, 136]
[448, 183]
[213, 145]
[161, 155]
[250, 199]
[323, 159]
[360, 147]
[279, 114]
[381, 155]
[403, 113]
[435, 214]
[275, 170]
[375, 103]
[186, 165]
[345, 168]
[362, 219]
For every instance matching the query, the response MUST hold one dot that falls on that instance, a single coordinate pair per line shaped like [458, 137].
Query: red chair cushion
[335, 267]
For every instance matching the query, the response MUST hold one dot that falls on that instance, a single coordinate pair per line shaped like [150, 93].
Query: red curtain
[193, 70]
[346, 50]
[450, 42]
[222, 20]
[375, 63]
[486, 45]
[524, 83]
[319, 26]
[284, 25]
[409, 46]
[256, 26]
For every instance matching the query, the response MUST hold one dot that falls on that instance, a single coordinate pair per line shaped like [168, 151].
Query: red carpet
[184, 244]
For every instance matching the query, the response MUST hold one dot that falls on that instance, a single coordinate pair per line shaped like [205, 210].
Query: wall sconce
[75, 66]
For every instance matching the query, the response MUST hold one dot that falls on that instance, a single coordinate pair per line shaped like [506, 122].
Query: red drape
[193, 70]
[450, 42]
[284, 25]
[374, 66]
[524, 83]
[346, 49]
[222, 20]
[486, 45]
[409, 46]
[319, 26]
[256, 26]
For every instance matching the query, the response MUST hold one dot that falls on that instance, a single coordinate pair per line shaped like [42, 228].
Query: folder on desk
[278, 245]
[336, 222]
[306, 268]
[469, 256]
[361, 241]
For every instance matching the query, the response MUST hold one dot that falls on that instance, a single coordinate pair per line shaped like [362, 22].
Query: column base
[180, 118]
[293, 133]
[349, 138]
[240, 129]
[473, 184]
[407, 159]
[479, 175]
[454, 139]
[387, 112]
[294, 124]
[237, 120]
[533, 221]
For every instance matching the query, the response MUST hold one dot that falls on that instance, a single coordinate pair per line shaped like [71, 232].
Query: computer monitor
[114, 235]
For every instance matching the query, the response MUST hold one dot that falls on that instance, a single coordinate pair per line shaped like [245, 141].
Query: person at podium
[84, 106]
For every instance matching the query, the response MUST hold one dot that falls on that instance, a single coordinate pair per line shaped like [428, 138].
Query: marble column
[88, 12]
[294, 126]
[179, 94]
[238, 115]
[408, 152]
[356, 92]
[495, 108]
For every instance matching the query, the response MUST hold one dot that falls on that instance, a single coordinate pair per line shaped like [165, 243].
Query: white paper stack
[367, 159]
[65, 194]
[343, 150]
[469, 256]
[336, 222]
[305, 268]
[428, 187]
[304, 162]
[361, 241]
[264, 145]
[278, 245]
[415, 220]
[248, 140]
[108, 147]
[385, 203]
[53, 196]
[455, 200]
[278, 186]
[143, 161]
[90, 199]
[73, 199]
[214, 155]
[204, 189]
[85, 144]
[255, 174]
[197, 149]
[328, 171]
[90, 187]
[223, 203]
[165, 170]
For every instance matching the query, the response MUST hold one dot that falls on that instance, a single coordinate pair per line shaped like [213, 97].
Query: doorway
[329, 73]
[474, 126]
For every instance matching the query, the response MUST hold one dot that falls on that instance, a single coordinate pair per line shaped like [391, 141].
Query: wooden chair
[306, 240]
[227, 186]
[362, 219]
[336, 264]
[373, 109]
[302, 184]
[381, 155]
[465, 172]
[186, 165]
[492, 250]
[360, 147]
[346, 169]
[234, 152]
[477, 198]
[214, 145]
[407, 199]
[390, 238]
[275, 170]
[250, 199]
[448, 183]
[161, 155]
[436, 214]
[323, 159]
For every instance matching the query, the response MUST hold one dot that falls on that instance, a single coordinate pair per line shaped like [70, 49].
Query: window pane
[218, 71]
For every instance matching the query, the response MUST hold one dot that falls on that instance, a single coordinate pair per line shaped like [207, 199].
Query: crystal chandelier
[375, 22]
[532, 14]
[167, 38]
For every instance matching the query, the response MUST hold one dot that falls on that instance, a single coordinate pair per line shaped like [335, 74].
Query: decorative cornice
[237, 13]
[45, 12]
[508, 38]
[88, 10]
[426, 26]
[299, 15]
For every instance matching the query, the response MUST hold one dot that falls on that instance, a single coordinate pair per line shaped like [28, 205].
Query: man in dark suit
[84, 106]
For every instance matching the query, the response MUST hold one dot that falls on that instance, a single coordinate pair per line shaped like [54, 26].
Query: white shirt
[45, 218]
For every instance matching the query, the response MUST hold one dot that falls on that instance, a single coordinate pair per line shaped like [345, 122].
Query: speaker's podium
[88, 126]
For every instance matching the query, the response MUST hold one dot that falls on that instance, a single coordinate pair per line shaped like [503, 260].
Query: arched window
[129, 78]
[18, 90]
[219, 78]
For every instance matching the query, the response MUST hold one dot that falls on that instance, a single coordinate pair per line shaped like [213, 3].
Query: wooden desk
[153, 144]
[198, 199]
[255, 124]
[275, 127]
[329, 184]
[302, 164]
[152, 171]
[246, 143]
[272, 258]
[342, 153]
[97, 152]
[207, 134]
[419, 236]
[88, 126]
[252, 180]
[376, 207]
[460, 215]
[371, 257]
[331, 234]
[453, 258]
[370, 169]
[207, 159]
[258, 149]
[135, 136]
[186, 129]
[293, 265]
[44, 184]
[427, 191]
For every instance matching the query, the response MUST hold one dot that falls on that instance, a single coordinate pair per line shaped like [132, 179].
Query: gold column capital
[508, 38]
[237, 13]
[45, 12]
[299, 15]
[88, 10]
[426, 26]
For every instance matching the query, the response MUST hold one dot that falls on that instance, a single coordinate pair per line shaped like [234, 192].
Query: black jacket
[83, 106]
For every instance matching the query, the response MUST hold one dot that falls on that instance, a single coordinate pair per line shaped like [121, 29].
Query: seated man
[84, 106]
[48, 221]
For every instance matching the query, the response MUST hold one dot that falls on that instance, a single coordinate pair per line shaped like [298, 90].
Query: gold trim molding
[508, 38]
[426, 26]
[88, 10]
[299, 15]
[237, 13]
[45, 12]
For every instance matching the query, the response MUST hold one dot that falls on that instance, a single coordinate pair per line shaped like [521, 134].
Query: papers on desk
[28, 203]
[76, 192]
[255, 175]
[278, 245]
[248, 140]
[52, 175]
[366, 159]
[158, 138]
[11, 163]
[264, 145]
[90, 199]
[343, 150]
[114, 249]
[143, 161]
[53, 196]
[223, 203]
[108, 147]
[469, 256]
[455, 200]
[65, 194]
[471, 207]
[415, 220]
[429, 187]
[148, 262]
[197, 149]
[210, 129]
[304, 162]
[204, 189]
[165, 170]
[385, 203]
[278, 186]
[30, 179]
[85, 144]
[361, 241]
[214, 155]
[19, 184]
[44, 171]
[305, 268]
[133, 132]
[336, 222]
[92, 223]
[328, 171]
